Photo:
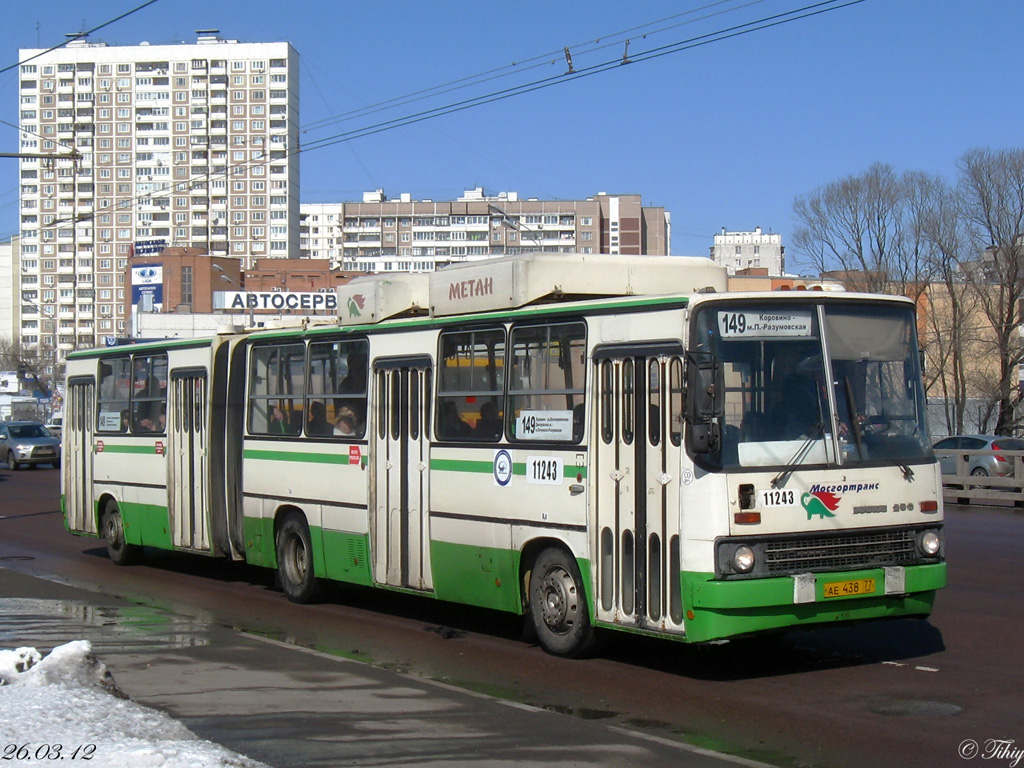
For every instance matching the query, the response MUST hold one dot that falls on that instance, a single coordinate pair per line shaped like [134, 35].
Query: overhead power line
[738, 30]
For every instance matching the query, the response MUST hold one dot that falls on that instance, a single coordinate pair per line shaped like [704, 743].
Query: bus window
[546, 381]
[471, 382]
[675, 400]
[338, 372]
[276, 385]
[149, 393]
[654, 395]
[114, 394]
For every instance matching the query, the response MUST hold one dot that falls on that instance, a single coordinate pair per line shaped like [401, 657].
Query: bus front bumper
[717, 609]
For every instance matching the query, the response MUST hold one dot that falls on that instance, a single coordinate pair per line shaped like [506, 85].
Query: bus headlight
[929, 543]
[743, 559]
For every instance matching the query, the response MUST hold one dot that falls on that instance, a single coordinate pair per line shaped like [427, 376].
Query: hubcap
[296, 560]
[113, 532]
[559, 604]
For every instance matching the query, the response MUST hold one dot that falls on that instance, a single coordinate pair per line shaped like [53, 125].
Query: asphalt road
[905, 693]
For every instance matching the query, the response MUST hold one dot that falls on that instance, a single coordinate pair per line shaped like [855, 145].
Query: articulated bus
[590, 441]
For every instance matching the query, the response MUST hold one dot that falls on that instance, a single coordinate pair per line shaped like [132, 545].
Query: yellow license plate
[850, 588]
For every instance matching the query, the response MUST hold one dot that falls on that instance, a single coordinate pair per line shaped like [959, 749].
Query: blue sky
[726, 134]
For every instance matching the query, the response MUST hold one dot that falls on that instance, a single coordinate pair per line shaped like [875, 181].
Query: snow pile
[70, 699]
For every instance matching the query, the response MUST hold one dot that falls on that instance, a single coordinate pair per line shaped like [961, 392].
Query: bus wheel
[295, 560]
[120, 551]
[558, 605]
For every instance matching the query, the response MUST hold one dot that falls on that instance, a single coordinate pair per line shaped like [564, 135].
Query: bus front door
[188, 461]
[76, 463]
[401, 536]
[637, 436]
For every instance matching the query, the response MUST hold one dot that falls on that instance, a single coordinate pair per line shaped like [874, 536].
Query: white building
[746, 250]
[387, 235]
[152, 146]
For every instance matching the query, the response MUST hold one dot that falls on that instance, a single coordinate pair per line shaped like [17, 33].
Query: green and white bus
[593, 441]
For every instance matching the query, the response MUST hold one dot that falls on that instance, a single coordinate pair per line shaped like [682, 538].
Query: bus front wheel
[120, 551]
[295, 560]
[558, 605]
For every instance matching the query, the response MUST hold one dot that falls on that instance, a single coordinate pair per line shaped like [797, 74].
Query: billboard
[148, 287]
[277, 301]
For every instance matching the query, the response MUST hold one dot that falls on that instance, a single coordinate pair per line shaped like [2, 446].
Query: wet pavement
[291, 706]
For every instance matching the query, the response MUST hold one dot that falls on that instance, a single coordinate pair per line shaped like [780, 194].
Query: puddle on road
[48, 623]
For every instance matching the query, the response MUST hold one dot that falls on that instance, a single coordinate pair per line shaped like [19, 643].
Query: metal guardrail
[965, 488]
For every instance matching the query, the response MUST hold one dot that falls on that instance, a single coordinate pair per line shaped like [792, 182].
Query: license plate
[44, 452]
[850, 588]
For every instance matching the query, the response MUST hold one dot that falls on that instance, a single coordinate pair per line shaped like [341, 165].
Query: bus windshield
[816, 384]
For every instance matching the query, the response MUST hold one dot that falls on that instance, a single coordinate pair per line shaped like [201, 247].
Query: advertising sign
[148, 287]
[278, 301]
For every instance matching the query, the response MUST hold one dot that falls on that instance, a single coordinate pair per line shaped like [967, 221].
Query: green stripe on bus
[311, 458]
[108, 448]
[570, 471]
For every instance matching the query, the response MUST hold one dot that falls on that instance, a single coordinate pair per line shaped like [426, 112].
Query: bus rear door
[77, 461]
[401, 535]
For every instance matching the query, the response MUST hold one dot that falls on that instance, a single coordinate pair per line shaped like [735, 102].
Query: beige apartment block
[401, 234]
[145, 147]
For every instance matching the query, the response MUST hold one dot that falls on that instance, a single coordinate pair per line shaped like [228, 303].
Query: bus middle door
[401, 535]
[188, 460]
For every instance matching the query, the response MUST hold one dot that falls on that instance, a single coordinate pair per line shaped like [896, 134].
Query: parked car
[980, 465]
[27, 443]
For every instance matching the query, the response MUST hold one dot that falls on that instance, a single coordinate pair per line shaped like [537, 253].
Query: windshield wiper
[816, 433]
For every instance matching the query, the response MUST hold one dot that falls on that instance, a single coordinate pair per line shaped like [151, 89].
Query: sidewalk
[289, 706]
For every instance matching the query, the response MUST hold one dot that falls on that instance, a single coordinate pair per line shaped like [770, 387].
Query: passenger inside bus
[450, 425]
[489, 424]
[318, 423]
[345, 423]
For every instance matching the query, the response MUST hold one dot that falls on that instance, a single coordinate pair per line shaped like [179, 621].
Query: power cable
[757, 25]
[83, 34]
[543, 59]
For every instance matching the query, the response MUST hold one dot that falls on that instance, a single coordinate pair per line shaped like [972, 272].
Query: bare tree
[991, 194]
[950, 339]
[26, 360]
[863, 226]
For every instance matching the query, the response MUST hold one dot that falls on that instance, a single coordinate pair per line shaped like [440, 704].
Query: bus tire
[558, 605]
[295, 560]
[119, 550]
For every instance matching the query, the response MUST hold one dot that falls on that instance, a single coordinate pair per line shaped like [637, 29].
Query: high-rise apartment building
[148, 146]
[379, 235]
[737, 251]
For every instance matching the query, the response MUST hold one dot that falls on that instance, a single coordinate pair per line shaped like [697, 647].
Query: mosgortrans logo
[823, 500]
[820, 504]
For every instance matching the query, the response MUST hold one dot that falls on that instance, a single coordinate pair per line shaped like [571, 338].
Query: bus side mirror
[703, 402]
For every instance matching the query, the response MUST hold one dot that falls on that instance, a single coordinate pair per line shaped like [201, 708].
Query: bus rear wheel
[118, 548]
[558, 605]
[295, 560]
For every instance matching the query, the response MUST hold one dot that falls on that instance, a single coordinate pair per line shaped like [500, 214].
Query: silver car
[981, 465]
[27, 443]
